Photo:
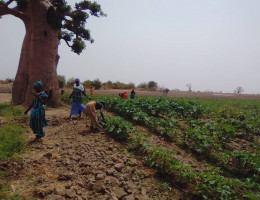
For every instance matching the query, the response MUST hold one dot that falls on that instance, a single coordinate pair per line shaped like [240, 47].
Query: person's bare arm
[84, 93]
[102, 115]
[29, 108]
[71, 94]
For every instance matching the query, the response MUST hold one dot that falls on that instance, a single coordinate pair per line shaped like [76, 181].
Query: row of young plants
[200, 185]
[247, 123]
[170, 108]
[211, 146]
[206, 138]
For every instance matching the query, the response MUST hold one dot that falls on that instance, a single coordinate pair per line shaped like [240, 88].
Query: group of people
[124, 95]
[37, 117]
[77, 107]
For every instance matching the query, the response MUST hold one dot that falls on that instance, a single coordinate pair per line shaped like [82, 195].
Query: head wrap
[103, 104]
[77, 80]
[38, 84]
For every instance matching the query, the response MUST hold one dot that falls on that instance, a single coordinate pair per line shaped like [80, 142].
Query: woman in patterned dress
[92, 106]
[77, 107]
[37, 117]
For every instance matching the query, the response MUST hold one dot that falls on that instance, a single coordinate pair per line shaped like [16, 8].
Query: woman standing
[37, 117]
[77, 107]
[132, 94]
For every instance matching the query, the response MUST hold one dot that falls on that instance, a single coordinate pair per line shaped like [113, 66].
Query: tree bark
[39, 55]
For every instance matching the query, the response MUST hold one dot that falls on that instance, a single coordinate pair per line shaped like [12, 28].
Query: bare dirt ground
[5, 97]
[71, 162]
[6, 88]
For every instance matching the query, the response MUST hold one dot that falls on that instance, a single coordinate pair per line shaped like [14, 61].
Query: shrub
[61, 81]
[70, 82]
[96, 84]
[87, 84]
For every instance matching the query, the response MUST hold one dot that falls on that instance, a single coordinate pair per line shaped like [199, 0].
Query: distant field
[6, 90]
[176, 94]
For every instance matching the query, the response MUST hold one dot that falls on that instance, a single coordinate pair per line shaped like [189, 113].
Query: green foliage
[4, 193]
[78, 45]
[87, 84]
[118, 128]
[6, 110]
[2, 2]
[118, 85]
[61, 81]
[67, 36]
[96, 84]
[152, 84]
[143, 85]
[200, 136]
[70, 82]
[71, 23]
[11, 141]
[56, 14]
[246, 163]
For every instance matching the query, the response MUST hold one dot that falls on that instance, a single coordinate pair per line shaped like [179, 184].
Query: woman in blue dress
[77, 107]
[37, 117]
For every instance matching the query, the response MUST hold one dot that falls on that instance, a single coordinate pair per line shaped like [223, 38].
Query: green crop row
[206, 185]
[207, 142]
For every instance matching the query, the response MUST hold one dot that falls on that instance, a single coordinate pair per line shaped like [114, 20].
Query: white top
[79, 87]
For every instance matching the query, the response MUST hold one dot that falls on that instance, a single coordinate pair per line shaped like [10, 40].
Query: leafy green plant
[118, 128]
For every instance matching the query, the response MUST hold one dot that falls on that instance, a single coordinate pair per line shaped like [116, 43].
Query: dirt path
[5, 97]
[73, 163]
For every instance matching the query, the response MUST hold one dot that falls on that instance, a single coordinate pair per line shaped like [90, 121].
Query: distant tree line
[7, 80]
[97, 84]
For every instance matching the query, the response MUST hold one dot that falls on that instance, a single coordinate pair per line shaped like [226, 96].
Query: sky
[212, 44]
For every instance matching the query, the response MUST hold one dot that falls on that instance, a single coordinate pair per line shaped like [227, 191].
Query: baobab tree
[189, 87]
[239, 90]
[46, 23]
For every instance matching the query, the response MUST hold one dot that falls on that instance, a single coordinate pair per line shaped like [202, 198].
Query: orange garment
[92, 113]
[123, 95]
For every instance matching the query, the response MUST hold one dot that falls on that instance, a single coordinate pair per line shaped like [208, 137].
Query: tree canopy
[70, 22]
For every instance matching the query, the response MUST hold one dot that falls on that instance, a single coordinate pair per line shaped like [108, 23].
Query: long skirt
[76, 108]
[38, 121]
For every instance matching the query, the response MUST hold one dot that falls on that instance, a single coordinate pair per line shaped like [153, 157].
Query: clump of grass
[7, 111]
[11, 141]
[4, 193]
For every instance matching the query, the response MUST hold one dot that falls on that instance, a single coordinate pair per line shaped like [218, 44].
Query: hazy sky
[212, 44]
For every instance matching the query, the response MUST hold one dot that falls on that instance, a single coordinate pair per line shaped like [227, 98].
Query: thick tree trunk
[39, 56]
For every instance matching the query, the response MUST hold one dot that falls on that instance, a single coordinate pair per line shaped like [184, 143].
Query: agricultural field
[208, 148]
[158, 148]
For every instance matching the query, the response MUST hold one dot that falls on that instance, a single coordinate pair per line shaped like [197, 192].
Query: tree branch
[67, 43]
[4, 10]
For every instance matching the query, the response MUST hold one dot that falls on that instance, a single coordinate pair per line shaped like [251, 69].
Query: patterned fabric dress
[92, 113]
[37, 117]
[77, 105]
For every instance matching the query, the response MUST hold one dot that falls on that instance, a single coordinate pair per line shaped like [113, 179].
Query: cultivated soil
[71, 162]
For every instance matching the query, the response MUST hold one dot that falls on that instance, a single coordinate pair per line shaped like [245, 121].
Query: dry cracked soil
[71, 162]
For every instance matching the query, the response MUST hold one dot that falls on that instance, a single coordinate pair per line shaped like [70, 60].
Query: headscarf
[77, 80]
[38, 84]
[103, 104]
